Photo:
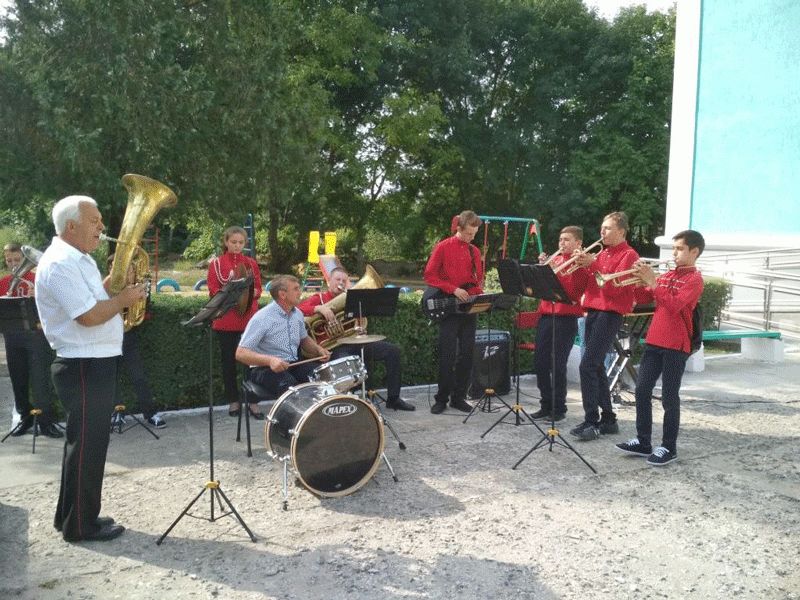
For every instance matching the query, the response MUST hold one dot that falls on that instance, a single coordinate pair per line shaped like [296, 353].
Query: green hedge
[176, 356]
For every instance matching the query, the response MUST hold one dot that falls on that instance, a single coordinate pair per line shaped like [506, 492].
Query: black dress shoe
[100, 522]
[400, 404]
[258, 416]
[105, 533]
[50, 430]
[461, 405]
[23, 427]
[234, 412]
[438, 407]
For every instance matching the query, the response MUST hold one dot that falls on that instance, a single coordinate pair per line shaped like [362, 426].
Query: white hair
[69, 209]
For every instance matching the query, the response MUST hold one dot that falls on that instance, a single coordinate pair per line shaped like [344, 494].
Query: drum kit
[332, 439]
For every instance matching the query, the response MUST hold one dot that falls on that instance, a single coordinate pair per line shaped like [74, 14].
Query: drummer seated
[273, 337]
[381, 350]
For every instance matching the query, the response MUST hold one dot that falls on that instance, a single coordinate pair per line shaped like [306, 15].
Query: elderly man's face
[85, 233]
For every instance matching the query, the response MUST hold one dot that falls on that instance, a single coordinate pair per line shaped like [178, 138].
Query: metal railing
[766, 288]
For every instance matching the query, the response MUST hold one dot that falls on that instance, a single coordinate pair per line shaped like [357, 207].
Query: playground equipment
[318, 267]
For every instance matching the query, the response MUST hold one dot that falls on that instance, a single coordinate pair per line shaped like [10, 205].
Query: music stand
[541, 282]
[17, 315]
[381, 302]
[224, 300]
[496, 302]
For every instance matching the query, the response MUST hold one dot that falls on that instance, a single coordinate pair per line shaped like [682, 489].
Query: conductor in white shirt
[84, 327]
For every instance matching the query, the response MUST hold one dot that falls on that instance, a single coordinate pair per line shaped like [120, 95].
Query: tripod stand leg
[180, 516]
[285, 485]
[140, 422]
[218, 490]
[377, 405]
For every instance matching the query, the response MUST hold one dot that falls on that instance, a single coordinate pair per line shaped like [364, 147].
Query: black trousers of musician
[278, 383]
[669, 365]
[601, 328]
[228, 342]
[134, 367]
[455, 353]
[86, 387]
[558, 330]
[29, 358]
[385, 352]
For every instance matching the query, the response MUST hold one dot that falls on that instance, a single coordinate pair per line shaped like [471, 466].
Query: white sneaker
[157, 421]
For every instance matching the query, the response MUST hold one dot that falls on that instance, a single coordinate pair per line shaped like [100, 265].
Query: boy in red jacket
[668, 345]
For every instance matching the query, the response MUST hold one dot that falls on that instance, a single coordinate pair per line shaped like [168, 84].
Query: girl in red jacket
[232, 264]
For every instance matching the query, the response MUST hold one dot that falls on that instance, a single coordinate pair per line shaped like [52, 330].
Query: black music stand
[498, 302]
[541, 282]
[224, 300]
[381, 302]
[19, 314]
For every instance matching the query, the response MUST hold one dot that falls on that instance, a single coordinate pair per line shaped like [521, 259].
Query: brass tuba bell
[30, 258]
[145, 198]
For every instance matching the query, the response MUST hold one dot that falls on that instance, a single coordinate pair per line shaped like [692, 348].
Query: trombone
[567, 267]
[615, 280]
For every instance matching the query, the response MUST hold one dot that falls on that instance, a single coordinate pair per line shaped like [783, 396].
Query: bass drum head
[336, 443]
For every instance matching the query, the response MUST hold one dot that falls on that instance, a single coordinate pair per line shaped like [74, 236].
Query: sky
[609, 8]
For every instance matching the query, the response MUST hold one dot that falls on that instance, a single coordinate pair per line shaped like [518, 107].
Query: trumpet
[615, 280]
[549, 260]
[567, 267]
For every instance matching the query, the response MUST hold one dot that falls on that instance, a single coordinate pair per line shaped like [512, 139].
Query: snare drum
[342, 374]
[334, 441]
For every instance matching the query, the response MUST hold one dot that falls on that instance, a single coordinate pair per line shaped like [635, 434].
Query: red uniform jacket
[612, 298]
[23, 289]
[676, 294]
[574, 284]
[455, 264]
[220, 271]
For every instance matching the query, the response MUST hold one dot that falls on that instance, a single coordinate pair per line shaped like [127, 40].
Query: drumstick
[302, 362]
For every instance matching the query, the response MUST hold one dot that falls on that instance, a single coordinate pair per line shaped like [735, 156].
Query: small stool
[250, 389]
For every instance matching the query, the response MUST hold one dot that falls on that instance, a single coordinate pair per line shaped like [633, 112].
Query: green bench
[709, 336]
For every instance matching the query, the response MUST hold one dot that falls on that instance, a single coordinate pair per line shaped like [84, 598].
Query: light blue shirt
[68, 284]
[273, 332]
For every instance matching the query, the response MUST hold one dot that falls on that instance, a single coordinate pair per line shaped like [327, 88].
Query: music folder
[381, 302]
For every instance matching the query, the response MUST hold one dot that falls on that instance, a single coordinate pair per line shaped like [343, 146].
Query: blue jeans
[669, 364]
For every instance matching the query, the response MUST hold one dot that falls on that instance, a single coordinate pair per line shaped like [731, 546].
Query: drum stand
[221, 303]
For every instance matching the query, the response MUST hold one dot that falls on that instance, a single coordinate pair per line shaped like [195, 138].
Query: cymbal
[361, 339]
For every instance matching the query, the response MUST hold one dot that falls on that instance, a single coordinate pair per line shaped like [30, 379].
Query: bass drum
[334, 441]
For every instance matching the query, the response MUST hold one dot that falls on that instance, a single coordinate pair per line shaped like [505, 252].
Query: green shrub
[716, 295]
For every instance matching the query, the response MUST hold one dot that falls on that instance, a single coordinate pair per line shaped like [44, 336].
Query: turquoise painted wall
[747, 139]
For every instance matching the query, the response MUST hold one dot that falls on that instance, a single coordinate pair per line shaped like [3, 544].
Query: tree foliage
[358, 115]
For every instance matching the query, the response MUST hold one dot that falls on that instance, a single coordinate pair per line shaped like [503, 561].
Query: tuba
[30, 258]
[327, 335]
[145, 198]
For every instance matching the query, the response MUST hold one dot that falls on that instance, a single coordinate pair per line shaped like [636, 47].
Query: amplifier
[490, 363]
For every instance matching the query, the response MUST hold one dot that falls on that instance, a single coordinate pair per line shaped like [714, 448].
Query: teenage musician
[455, 268]
[667, 346]
[605, 307]
[557, 328]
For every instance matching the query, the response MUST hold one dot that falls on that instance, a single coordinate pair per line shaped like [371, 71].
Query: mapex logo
[340, 409]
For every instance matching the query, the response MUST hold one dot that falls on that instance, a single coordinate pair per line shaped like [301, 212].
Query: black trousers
[278, 383]
[601, 327]
[454, 353]
[28, 357]
[134, 367]
[228, 342]
[86, 387]
[553, 331]
[669, 365]
[385, 352]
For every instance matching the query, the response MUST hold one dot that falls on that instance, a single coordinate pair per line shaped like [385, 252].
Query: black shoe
[635, 447]
[608, 427]
[661, 456]
[400, 404]
[461, 405]
[234, 412]
[586, 431]
[100, 522]
[103, 534]
[23, 426]
[50, 430]
[438, 407]
[544, 415]
[258, 416]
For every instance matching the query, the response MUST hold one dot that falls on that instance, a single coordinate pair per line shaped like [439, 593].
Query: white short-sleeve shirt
[68, 284]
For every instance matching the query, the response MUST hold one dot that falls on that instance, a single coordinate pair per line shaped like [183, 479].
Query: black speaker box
[490, 363]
